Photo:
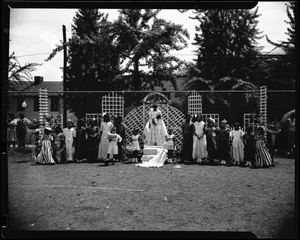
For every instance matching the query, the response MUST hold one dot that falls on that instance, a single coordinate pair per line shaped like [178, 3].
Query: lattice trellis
[134, 119]
[263, 106]
[251, 120]
[113, 104]
[43, 105]
[194, 103]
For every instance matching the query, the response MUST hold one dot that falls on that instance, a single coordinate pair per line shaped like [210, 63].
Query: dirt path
[125, 197]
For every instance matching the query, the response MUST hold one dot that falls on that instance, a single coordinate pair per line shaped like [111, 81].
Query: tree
[145, 45]
[228, 56]
[18, 75]
[227, 43]
[93, 60]
[283, 71]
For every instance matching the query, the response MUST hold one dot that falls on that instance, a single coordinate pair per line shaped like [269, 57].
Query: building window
[54, 104]
[20, 100]
[36, 103]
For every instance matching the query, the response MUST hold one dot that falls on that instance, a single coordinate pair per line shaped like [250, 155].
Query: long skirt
[238, 150]
[69, 150]
[156, 133]
[262, 155]
[103, 146]
[199, 147]
[45, 155]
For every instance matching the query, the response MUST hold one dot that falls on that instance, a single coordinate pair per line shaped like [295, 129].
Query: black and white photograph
[156, 120]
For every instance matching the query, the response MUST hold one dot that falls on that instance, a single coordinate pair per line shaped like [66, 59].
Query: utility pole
[64, 77]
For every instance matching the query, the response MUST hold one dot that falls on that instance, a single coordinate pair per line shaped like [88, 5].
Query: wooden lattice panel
[113, 104]
[138, 117]
[43, 105]
[250, 120]
[263, 106]
[194, 103]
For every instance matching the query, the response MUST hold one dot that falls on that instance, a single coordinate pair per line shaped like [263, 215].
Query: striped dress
[45, 155]
[262, 155]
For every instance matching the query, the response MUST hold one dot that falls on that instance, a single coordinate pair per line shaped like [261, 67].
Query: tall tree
[228, 55]
[226, 43]
[145, 42]
[284, 70]
[93, 60]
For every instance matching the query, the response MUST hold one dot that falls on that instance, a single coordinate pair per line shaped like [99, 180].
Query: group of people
[202, 143]
[207, 144]
[81, 143]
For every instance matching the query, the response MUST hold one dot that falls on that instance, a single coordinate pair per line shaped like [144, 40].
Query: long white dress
[69, 134]
[155, 129]
[237, 145]
[105, 128]
[199, 145]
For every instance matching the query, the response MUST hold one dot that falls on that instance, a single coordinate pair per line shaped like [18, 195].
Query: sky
[34, 33]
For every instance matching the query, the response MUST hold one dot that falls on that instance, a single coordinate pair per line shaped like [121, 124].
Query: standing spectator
[170, 140]
[199, 139]
[112, 152]
[59, 144]
[80, 141]
[290, 144]
[70, 135]
[237, 144]
[249, 147]
[11, 133]
[121, 145]
[45, 154]
[135, 144]
[105, 127]
[223, 143]
[187, 139]
[211, 141]
[21, 130]
[92, 132]
[262, 155]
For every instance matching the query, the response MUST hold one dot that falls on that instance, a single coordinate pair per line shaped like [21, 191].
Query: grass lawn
[123, 197]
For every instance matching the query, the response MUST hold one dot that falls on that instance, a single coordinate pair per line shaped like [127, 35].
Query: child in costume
[113, 139]
[211, 141]
[262, 155]
[237, 144]
[170, 141]
[199, 139]
[249, 147]
[69, 134]
[45, 154]
[223, 143]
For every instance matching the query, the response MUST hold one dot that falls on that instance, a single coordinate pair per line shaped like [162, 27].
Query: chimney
[38, 80]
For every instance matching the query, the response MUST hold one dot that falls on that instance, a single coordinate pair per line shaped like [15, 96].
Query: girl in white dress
[113, 139]
[70, 135]
[170, 140]
[157, 128]
[105, 128]
[135, 144]
[237, 144]
[199, 139]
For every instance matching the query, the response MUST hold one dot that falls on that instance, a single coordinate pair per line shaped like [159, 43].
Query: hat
[224, 121]
[48, 128]
[69, 120]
